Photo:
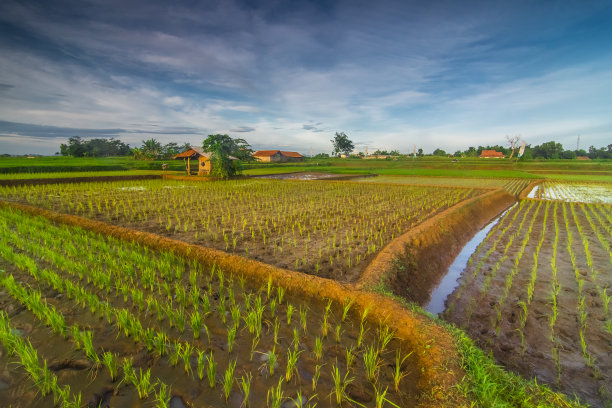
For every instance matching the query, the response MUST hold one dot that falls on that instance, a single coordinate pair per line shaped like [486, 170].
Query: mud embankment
[438, 358]
[413, 264]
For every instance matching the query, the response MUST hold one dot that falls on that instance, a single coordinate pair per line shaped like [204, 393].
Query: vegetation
[342, 144]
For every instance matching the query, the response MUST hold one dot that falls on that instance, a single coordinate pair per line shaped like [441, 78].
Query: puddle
[451, 280]
[573, 192]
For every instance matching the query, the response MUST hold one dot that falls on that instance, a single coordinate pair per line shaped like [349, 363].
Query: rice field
[512, 186]
[88, 319]
[573, 191]
[537, 293]
[329, 229]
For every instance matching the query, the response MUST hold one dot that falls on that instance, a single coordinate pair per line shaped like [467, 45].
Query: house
[204, 164]
[583, 158]
[277, 156]
[491, 154]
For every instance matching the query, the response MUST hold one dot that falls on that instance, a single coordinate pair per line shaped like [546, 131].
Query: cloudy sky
[289, 74]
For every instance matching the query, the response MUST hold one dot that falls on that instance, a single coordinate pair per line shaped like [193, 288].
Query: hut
[196, 153]
[204, 163]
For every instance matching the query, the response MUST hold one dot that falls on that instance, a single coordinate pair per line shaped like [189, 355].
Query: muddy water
[450, 281]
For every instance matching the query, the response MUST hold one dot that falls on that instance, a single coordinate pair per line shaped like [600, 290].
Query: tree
[151, 149]
[439, 152]
[342, 144]
[513, 142]
[420, 152]
[78, 147]
[222, 149]
[548, 150]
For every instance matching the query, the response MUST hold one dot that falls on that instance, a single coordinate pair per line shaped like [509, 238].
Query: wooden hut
[277, 156]
[204, 163]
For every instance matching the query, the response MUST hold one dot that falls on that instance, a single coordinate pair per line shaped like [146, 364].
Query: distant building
[277, 156]
[582, 158]
[491, 154]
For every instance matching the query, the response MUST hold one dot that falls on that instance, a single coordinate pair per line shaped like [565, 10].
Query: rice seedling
[228, 379]
[245, 385]
[185, 353]
[398, 372]
[110, 361]
[292, 357]
[163, 394]
[275, 395]
[372, 363]
[211, 367]
[340, 385]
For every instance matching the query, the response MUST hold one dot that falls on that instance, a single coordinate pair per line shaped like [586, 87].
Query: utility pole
[578, 143]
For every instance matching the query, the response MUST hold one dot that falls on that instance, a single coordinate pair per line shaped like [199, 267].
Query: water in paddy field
[573, 192]
[450, 281]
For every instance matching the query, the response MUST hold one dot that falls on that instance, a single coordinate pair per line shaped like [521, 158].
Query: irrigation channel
[450, 281]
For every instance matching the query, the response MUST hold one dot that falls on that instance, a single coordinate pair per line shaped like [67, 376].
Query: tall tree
[513, 142]
[224, 152]
[342, 144]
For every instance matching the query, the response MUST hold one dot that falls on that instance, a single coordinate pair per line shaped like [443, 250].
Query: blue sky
[289, 74]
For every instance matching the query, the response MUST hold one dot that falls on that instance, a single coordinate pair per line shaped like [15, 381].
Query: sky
[290, 74]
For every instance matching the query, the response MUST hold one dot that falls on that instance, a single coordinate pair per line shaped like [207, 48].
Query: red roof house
[277, 156]
[491, 154]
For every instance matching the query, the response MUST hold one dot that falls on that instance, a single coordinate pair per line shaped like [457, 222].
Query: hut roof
[195, 152]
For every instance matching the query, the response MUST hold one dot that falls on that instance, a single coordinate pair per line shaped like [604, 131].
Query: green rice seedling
[228, 379]
[340, 384]
[290, 310]
[296, 338]
[129, 374]
[110, 361]
[272, 360]
[380, 398]
[347, 306]
[231, 337]
[280, 291]
[163, 394]
[195, 320]
[175, 353]
[275, 395]
[205, 303]
[338, 333]
[350, 357]
[292, 357]
[398, 373]
[143, 384]
[186, 352]
[194, 298]
[325, 325]
[236, 315]
[201, 366]
[254, 344]
[318, 348]
[315, 377]
[303, 316]
[159, 343]
[90, 351]
[276, 330]
[211, 368]
[362, 331]
[245, 385]
[269, 286]
[372, 363]
[272, 306]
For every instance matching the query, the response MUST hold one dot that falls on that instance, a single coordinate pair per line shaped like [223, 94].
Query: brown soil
[475, 309]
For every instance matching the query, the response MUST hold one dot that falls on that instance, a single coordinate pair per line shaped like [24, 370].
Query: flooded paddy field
[537, 294]
[93, 320]
[330, 229]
